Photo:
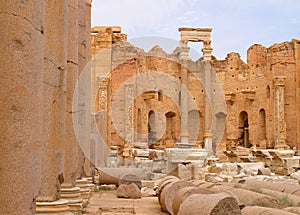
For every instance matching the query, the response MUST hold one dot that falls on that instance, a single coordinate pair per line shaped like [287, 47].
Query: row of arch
[196, 118]
[195, 122]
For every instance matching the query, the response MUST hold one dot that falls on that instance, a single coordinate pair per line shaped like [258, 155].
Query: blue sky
[237, 24]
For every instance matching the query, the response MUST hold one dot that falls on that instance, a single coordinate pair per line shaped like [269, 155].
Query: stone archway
[170, 133]
[262, 136]
[244, 129]
[151, 128]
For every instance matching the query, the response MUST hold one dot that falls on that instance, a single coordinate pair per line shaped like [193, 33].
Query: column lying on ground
[21, 87]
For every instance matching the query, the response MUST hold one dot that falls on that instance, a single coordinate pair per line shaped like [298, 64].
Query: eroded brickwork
[249, 90]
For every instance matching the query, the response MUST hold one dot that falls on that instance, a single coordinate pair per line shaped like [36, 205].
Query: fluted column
[21, 88]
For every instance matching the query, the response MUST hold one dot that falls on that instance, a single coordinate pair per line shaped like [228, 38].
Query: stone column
[207, 50]
[207, 107]
[88, 165]
[129, 97]
[83, 132]
[55, 60]
[279, 122]
[184, 55]
[184, 50]
[184, 103]
[21, 87]
[297, 61]
[69, 191]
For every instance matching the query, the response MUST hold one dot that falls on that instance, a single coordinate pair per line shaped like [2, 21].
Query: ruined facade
[44, 48]
[163, 99]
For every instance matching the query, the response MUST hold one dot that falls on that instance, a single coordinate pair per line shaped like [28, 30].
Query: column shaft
[55, 64]
[21, 87]
[207, 106]
[71, 145]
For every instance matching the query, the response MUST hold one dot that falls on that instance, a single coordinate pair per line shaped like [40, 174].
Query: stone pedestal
[59, 207]
[75, 202]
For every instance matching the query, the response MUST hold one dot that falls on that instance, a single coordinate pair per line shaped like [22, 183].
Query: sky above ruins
[237, 24]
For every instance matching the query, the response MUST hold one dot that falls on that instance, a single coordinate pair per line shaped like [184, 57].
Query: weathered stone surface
[250, 210]
[209, 204]
[163, 183]
[247, 197]
[184, 193]
[148, 192]
[130, 191]
[264, 171]
[295, 210]
[130, 178]
[277, 185]
[168, 194]
[21, 102]
[251, 167]
[185, 171]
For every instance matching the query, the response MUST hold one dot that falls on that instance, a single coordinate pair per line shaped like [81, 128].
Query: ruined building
[47, 133]
[167, 99]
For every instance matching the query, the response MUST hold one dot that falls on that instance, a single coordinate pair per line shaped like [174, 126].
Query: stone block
[264, 171]
[251, 167]
[156, 154]
[129, 191]
[185, 171]
[158, 166]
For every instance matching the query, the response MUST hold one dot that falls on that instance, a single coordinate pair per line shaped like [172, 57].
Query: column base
[75, 202]
[85, 189]
[59, 207]
[282, 146]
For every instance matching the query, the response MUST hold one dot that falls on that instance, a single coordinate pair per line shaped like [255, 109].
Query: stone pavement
[107, 203]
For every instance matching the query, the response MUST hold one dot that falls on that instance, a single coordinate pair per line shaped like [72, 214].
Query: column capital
[279, 80]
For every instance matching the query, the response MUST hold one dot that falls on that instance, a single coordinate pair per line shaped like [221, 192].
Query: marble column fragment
[21, 88]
